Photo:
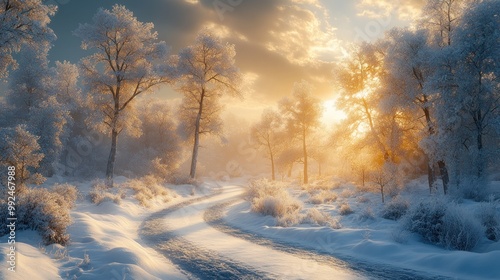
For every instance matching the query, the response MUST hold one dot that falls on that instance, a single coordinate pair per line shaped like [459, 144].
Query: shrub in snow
[347, 193]
[345, 209]
[444, 224]
[315, 217]
[289, 219]
[278, 206]
[101, 193]
[426, 219]
[147, 188]
[44, 211]
[270, 198]
[395, 209]
[363, 199]
[86, 260]
[367, 214]
[490, 219]
[68, 192]
[461, 230]
[264, 187]
[320, 185]
[324, 196]
[20, 148]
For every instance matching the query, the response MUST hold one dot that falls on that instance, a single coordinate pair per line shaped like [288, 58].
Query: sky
[278, 42]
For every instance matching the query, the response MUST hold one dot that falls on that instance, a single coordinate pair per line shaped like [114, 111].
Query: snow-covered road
[181, 233]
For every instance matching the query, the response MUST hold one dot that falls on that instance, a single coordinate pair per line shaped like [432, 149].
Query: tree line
[48, 107]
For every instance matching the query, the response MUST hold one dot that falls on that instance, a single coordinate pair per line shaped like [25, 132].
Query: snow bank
[373, 240]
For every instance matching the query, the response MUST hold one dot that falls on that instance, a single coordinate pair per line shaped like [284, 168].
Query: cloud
[408, 9]
[278, 41]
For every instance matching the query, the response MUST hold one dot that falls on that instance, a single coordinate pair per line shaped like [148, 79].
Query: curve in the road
[214, 217]
[195, 262]
[206, 253]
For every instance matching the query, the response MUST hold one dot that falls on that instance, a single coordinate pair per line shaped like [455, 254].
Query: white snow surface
[188, 222]
[108, 235]
[373, 240]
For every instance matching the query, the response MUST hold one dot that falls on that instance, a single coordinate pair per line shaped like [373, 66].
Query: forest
[406, 146]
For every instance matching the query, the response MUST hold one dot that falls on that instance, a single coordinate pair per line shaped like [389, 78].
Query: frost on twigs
[271, 198]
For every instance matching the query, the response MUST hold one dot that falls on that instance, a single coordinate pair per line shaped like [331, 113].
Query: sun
[331, 114]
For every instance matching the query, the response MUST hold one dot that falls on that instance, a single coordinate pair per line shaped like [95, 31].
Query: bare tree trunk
[110, 168]
[444, 175]
[431, 178]
[194, 157]
[363, 176]
[304, 148]
[271, 156]
[441, 164]
[382, 192]
[273, 177]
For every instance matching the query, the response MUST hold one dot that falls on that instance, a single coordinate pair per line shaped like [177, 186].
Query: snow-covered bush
[320, 185]
[362, 199]
[270, 198]
[264, 187]
[47, 212]
[289, 219]
[68, 192]
[147, 188]
[395, 209]
[345, 209]
[324, 196]
[347, 193]
[367, 214]
[443, 224]
[315, 217]
[101, 193]
[426, 219]
[20, 148]
[461, 231]
[276, 206]
[490, 219]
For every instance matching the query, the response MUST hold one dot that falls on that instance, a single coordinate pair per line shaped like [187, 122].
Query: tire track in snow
[215, 218]
[193, 261]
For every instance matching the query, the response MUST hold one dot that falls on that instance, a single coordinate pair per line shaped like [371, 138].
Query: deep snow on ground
[106, 242]
[188, 222]
[106, 234]
[373, 239]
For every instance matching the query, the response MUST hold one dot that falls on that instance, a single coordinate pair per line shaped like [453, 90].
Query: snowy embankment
[364, 235]
[104, 242]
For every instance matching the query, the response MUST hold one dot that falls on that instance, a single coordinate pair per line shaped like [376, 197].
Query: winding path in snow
[194, 236]
[203, 252]
[214, 216]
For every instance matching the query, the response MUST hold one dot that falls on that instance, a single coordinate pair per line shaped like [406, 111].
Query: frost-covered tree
[29, 83]
[64, 85]
[128, 61]
[408, 70]
[159, 149]
[22, 23]
[478, 69]
[467, 110]
[207, 73]
[49, 120]
[441, 18]
[358, 77]
[19, 148]
[301, 113]
[266, 133]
